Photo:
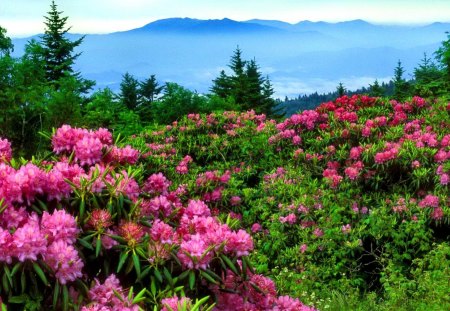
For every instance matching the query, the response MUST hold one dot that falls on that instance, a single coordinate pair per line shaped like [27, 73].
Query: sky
[25, 17]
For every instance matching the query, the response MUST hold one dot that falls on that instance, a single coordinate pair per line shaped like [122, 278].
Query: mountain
[299, 58]
[196, 26]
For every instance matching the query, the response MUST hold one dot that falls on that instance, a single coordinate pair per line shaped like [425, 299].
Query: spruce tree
[428, 78]
[149, 89]
[246, 87]
[401, 86]
[340, 89]
[129, 94]
[375, 89]
[59, 51]
[222, 85]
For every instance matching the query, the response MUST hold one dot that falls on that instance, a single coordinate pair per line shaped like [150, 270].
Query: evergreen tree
[428, 78]
[246, 87]
[6, 46]
[376, 90]
[149, 89]
[129, 94]
[222, 85]
[148, 92]
[58, 50]
[401, 86]
[340, 89]
[443, 56]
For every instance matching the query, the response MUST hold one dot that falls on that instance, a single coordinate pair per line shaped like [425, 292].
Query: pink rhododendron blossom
[29, 241]
[175, 303]
[59, 226]
[429, 201]
[193, 253]
[156, 184]
[5, 150]
[63, 258]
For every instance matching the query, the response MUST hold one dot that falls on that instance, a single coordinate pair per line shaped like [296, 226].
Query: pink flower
[88, 150]
[162, 232]
[157, 184]
[429, 201]
[64, 260]
[193, 253]
[6, 246]
[318, 232]
[5, 150]
[59, 226]
[175, 303]
[256, 228]
[437, 214]
[110, 296]
[197, 208]
[240, 243]
[29, 241]
[346, 228]
[290, 219]
[303, 248]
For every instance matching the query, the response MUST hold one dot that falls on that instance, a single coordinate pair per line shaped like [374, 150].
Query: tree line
[41, 90]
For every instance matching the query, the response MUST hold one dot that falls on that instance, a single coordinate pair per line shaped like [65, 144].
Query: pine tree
[340, 89]
[149, 89]
[222, 85]
[428, 78]
[246, 87]
[58, 50]
[376, 90]
[401, 86]
[129, 95]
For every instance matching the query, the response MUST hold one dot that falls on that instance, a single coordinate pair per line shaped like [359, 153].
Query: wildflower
[59, 226]
[5, 150]
[346, 228]
[175, 303]
[100, 219]
[29, 241]
[131, 232]
[194, 253]
[64, 260]
[156, 184]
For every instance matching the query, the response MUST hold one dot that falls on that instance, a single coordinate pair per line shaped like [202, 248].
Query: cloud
[293, 87]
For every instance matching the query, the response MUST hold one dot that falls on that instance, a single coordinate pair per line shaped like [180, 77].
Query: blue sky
[25, 17]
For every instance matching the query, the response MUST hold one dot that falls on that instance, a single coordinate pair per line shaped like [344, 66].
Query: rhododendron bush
[233, 211]
[90, 229]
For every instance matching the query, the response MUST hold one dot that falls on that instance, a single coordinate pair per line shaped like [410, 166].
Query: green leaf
[65, 298]
[208, 277]
[40, 273]
[140, 296]
[56, 293]
[16, 268]
[168, 276]
[122, 259]
[158, 275]
[137, 264]
[191, 279]
[86, 244]
[98, 246]
[199, 303]
[18, 299]
[82, 209]
[230, 264]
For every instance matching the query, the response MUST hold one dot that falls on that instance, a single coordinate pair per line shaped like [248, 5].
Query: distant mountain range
[298, 58]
